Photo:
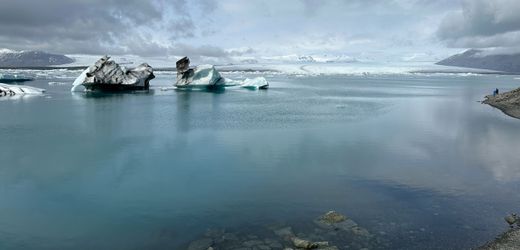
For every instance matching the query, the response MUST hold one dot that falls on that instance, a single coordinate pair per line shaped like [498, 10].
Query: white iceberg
[108, 75]
[206, 76]
[201, 76]
[16, 90]
[255, 83]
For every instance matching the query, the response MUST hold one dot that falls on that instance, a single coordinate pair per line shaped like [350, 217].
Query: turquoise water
[414, 159]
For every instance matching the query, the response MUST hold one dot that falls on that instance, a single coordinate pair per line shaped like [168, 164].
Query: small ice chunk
[255, 83]
[57, 83]
[10, 90]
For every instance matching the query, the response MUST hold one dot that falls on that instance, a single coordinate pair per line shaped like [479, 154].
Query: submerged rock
[332, 217]
[252, 243]
[512, 219]
[285, 232]
[108, 75]
[201, 244]
[306, 244]
[338, 223]
[301, 243]
[206, 76]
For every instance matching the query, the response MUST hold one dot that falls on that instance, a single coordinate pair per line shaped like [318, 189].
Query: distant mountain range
[478, 59]
[10, 58]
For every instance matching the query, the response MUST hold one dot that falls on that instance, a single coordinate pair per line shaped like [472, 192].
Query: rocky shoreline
[330, 231]
[508, 102]
[507, 240]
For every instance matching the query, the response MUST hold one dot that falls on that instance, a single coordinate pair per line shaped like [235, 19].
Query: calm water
[416, 160]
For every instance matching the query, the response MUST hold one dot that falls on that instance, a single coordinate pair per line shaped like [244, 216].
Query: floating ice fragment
[255, 83]
[11, 78]
[108, 75]
[13, 90]
[201, 76]
[206, 76]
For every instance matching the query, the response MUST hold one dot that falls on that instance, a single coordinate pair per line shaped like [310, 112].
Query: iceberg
[12, 78]
[201, 76]
[107, 75]
[255, 83]
[206, 76]
[13, 90]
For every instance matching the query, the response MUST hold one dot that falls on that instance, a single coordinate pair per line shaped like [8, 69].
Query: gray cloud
[482, 24]
[223, 28]
[138, 27]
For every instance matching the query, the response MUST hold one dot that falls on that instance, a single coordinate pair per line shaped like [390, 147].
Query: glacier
[106, 74]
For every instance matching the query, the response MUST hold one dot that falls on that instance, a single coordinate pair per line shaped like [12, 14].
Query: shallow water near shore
[413, 158]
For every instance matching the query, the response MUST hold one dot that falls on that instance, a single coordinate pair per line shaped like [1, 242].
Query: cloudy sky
[225, 29]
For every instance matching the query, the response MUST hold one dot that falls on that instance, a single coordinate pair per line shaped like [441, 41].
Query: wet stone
[253, 237]
[251, 243]
[262, 247]
[284, 232]
[213, 233]
[301, 243]
[201, 244]
[361, 232]
[273, 244]
[332, 217]
[229, 237]
[276, 245]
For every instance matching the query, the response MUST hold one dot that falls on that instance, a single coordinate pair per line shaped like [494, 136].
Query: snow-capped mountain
[10, 58]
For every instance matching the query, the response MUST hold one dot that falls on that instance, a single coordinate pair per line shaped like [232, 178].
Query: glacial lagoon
[415, 159]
